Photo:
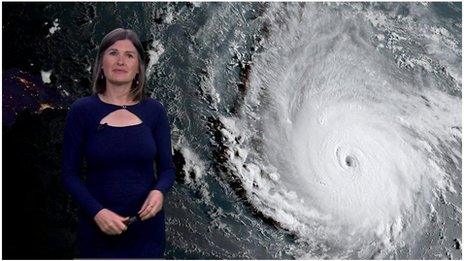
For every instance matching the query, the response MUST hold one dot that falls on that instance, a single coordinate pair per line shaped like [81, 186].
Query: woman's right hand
[110, 223]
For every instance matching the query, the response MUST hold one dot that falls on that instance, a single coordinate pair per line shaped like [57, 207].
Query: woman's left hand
[152, 205]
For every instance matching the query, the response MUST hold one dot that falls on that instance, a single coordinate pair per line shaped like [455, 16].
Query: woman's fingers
[151, 211]
[145, 204]
[120, 226]
[116, 226]
[146, 212]
[152, 205]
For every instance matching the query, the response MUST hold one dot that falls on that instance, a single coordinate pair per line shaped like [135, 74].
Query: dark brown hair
[98, 78]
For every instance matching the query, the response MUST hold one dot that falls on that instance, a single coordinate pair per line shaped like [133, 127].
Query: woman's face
[120, 62]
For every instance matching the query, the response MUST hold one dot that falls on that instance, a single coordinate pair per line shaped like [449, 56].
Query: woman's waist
[122, 186]
[119, 167]
[119, 186]
[124, 198]
[114, 177]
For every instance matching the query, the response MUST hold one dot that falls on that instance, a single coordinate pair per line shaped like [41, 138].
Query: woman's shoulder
[77, 110]
[82, 101]
[157, 110]
[155, 104]
[80, 104]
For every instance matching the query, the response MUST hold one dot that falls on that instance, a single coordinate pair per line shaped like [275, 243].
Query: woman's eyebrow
[112, 49]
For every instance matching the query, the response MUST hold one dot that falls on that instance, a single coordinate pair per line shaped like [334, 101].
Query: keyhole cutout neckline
[113, 124]
[118, 107]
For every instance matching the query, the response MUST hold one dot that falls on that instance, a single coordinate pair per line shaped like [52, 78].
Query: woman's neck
[112, 96]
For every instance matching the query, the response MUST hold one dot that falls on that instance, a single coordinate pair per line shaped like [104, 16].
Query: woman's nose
[120, 59]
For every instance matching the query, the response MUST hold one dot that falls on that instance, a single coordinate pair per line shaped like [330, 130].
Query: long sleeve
[166, 171]
[72, 155]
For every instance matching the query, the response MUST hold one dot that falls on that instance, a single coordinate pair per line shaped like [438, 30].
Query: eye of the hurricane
[349, 161]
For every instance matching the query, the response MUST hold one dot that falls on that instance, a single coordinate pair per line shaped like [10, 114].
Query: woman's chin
[119, 81]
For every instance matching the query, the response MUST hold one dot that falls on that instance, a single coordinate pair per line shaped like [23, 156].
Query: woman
[120, 133]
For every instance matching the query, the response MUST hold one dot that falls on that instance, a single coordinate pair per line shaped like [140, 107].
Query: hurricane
[333, 129]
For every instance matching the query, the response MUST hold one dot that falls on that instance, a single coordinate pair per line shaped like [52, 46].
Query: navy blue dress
[121, 163]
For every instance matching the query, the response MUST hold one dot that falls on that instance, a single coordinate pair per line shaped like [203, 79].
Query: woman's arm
[165, 169]
[73, 142]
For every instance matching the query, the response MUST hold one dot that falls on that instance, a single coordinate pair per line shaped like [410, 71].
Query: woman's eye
[113, 53]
